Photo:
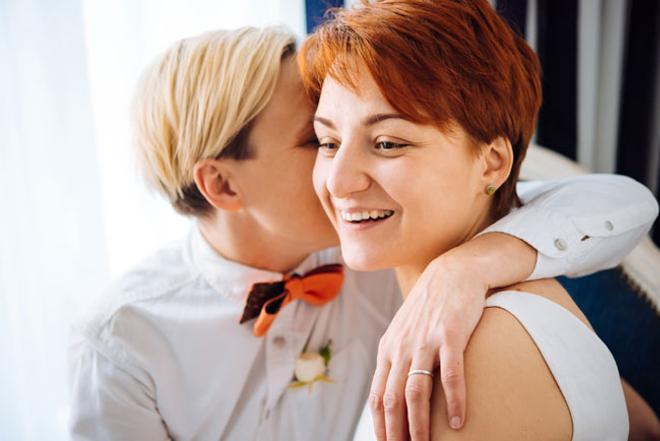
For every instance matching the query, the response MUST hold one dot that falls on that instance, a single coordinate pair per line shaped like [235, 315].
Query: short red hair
[436, 62]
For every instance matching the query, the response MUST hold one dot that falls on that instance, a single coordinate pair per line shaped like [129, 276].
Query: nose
[348, 172]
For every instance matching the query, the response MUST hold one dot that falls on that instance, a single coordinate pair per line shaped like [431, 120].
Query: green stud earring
[490, 189]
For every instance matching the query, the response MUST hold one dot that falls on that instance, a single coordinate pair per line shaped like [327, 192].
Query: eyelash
[326, 145]
[392, 145]
[382, 145]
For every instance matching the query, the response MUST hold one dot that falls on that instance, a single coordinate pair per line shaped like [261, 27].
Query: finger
[418, 397]
[452, 375]
[394, 401]
[376, 398]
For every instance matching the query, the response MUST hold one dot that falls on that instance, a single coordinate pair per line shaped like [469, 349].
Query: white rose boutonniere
[311, 367]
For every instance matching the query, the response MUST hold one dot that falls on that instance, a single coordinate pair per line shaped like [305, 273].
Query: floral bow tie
[317, 287]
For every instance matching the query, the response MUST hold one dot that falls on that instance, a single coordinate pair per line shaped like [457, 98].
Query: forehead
[362, 97]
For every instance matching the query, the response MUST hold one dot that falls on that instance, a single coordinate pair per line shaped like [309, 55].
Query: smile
[357, 217]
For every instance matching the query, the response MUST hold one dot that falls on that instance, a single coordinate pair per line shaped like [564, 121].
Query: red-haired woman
[425, 111]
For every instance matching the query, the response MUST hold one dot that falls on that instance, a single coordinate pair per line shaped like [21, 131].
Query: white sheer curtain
[73, 213]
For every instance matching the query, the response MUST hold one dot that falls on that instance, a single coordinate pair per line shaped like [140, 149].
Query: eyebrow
[368, 121]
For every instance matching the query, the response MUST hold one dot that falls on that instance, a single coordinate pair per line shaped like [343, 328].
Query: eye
[328, 147]
[388, 145]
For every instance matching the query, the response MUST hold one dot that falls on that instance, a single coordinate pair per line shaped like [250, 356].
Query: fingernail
[455, 422]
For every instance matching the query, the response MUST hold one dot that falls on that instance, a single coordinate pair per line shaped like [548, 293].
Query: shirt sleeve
[580, 225]
[108, 402]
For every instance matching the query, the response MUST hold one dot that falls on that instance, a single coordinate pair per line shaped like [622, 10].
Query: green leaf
[326, 353]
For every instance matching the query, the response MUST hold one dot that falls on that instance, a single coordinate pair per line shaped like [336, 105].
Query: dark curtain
[640, 81]
[557, 27]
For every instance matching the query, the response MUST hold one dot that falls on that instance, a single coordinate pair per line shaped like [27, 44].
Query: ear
[497, 159]
[213, 179]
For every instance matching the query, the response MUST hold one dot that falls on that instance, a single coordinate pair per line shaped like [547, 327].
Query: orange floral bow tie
[317, 287]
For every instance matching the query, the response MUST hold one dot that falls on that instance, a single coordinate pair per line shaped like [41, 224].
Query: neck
[407, 275]
[250, 245]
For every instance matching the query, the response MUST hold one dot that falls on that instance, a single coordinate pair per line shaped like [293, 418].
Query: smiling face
[439, 62]
[397, 192]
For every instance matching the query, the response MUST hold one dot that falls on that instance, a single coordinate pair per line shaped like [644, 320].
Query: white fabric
[599, 219]
[165, 356]
[583, 367]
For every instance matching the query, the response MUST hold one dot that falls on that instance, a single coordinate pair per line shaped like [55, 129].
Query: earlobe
[214, 182]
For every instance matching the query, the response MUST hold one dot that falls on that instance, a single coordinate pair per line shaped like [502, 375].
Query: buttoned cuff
[565, 243]
[555, 237]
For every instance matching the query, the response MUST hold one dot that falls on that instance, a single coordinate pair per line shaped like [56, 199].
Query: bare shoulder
[511, 392]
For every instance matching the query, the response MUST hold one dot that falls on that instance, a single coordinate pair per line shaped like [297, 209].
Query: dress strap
[582, 365]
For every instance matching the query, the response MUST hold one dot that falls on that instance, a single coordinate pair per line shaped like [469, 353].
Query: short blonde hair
[197, 100]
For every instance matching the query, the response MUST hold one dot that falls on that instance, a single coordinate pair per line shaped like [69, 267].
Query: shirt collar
[233, 280]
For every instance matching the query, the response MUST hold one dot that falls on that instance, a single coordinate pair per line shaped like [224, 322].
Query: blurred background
[74, 213]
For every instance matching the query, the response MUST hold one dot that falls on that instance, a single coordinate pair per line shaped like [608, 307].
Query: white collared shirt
[162, 356]
[165, 355]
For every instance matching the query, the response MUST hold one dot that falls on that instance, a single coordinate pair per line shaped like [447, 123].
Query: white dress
[580, 362]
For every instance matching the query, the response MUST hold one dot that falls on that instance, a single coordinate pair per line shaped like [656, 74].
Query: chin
[362, 260]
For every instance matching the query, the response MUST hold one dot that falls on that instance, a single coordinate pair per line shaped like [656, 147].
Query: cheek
[320, 176]
[297, 189]
[283, 185]
[444, 206]
[429, 190]
[287, 175]
[403, 180]
[300, 170]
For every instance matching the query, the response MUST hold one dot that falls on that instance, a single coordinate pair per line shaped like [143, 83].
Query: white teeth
[365, 215]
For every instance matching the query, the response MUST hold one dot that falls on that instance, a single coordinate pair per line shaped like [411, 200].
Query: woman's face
[398, 193]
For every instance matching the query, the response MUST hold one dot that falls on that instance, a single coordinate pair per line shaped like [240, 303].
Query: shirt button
[561, 244]
[609, 225]
[279, 341]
